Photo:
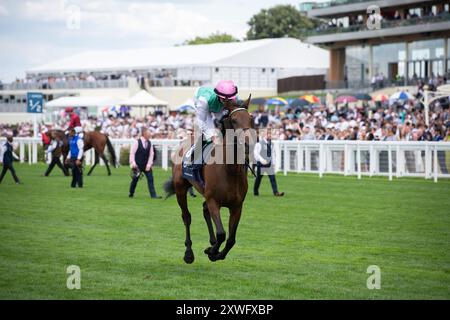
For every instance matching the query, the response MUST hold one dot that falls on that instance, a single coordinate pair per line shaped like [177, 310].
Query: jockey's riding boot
[198, 174]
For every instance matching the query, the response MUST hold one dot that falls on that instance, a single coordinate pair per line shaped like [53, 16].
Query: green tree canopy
[278, 22]
[212, 38]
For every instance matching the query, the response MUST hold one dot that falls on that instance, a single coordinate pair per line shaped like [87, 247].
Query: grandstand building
[170, 73]
[412, 40]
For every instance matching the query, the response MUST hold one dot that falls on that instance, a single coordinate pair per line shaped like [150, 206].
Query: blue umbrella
[277, 102]
[299, 103]
[186, 108]
[401, 95]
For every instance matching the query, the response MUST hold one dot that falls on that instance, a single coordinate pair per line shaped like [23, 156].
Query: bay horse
[225, 185]
[92, 139]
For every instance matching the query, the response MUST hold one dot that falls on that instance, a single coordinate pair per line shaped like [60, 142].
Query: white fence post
[390, 162]
[346, 159]
[165, 157]
[320, 161]
[285, 159]
[29, 153]
[358, 159]
[435, 164]
[22, 151]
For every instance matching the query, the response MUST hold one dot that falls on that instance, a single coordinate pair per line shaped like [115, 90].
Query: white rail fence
[429, 160]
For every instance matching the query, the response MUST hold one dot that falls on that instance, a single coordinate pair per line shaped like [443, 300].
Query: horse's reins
[246, 163]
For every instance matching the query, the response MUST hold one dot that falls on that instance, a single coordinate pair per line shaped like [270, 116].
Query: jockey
[74, 122]
[209, 105]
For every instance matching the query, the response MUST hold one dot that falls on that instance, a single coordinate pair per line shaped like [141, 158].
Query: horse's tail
[112, 152]
[169, 187]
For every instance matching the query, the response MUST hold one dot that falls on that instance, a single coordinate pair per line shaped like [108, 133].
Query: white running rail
[429, 160]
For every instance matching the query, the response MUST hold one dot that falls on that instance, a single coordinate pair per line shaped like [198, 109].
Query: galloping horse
[93, 139]
[225, 185]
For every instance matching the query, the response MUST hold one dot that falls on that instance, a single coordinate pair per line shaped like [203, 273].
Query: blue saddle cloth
[192, 163]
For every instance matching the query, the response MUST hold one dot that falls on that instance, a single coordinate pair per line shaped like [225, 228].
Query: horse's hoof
[189, 257]
[216, 257]
[208, 250]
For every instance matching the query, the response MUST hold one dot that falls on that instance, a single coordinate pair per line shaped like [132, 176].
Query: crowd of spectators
[394, 17]
[352, 121]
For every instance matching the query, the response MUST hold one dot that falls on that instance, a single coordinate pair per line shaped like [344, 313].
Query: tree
[278, 22]
[212, 38]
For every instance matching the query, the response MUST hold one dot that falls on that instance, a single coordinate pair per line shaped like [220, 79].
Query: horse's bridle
[229, 117]
[236, 110]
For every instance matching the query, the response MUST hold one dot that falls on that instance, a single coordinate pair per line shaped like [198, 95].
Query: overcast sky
[36, 32]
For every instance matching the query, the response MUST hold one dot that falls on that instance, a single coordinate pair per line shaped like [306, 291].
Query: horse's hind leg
[207, 216]
[181, 192]
[102, 155]
[235, 217]
[95, 163]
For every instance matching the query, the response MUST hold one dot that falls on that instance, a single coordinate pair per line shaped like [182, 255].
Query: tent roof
[282, 53]
[143, 98]
[81, 102]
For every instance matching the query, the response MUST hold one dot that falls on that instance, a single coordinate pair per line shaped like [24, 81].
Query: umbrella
[186, 108]
[381, 98]
[258, 101]
[299, 103]
[401, 95]
[363, 96]
[277, 101]
[346, 99]
[310, 98]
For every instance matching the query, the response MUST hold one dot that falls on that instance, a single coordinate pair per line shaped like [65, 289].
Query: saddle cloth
[193, 162]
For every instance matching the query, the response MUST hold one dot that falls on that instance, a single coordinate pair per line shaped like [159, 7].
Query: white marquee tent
[286, 53]
[143, 99]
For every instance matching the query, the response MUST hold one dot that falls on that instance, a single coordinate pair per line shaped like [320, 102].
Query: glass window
[428, 49]
[357, 62]
[388, 59]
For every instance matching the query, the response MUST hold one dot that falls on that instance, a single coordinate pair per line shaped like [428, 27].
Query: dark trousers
[77, 176]
[9, 167]
[56, 161]
[151, 186]
[258, 179]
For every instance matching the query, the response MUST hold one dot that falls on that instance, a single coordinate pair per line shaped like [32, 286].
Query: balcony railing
[71, 84]
[321, 5]
[385, 24]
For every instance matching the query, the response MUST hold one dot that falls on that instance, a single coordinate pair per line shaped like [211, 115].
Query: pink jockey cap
[226, 89]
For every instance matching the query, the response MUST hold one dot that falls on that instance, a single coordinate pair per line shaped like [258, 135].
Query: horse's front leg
[207, 216]
[214, 211]
[235, 217]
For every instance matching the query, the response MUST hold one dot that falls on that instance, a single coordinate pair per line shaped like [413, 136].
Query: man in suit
[141, 161]
[6, 157]
[264, 155]
[54, 150]
[75, 158]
